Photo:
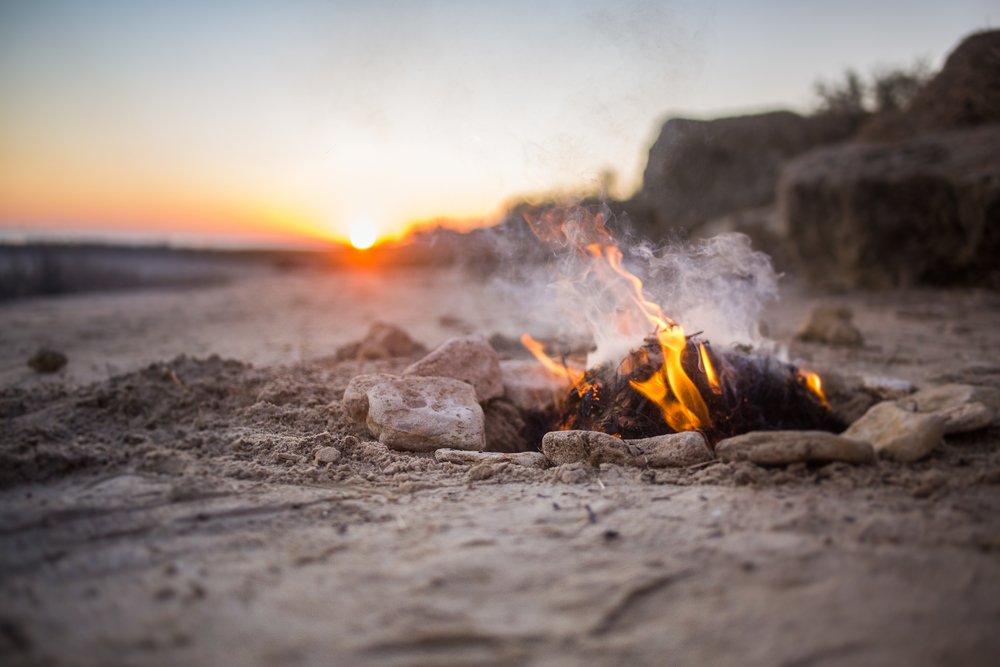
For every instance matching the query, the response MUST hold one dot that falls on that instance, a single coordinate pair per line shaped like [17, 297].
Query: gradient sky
[271, 120]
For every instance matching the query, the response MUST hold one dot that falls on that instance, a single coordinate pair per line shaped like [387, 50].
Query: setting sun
[362, 236]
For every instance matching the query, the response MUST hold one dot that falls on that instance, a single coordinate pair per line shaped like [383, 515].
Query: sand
[158, 509]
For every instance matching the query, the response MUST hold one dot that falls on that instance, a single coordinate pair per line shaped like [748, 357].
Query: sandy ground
[153, 522]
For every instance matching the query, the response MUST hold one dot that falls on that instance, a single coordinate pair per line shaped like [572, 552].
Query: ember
[672, 382]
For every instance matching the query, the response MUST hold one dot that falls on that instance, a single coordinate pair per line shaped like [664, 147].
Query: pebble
[466, 358]
[595, 448]
[355, 399]
[532, 387]
[896, 433]
[46, 360]
[526, 459]
[383, 341]
[825, 324]
[422, 414]
[327, 455]
[776, 448]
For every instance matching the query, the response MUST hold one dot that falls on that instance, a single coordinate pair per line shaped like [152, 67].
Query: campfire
[672, 381]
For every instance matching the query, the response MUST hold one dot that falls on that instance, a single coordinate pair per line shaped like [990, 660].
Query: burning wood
[672, 382]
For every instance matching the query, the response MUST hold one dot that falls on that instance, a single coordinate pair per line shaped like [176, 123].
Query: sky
[274, 122]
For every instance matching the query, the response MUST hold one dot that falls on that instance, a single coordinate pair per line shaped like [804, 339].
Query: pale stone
[674, 450]
[422, 414]
[595, 448]
[963, 407]
[572, 446]
[526, 459]
[466, 358]
[888, 388]
[824, 324]
[896, 433]
[531, 386]
[327, 455]
[383, 341]
[355, 399]
[966, 418]
[784, 447]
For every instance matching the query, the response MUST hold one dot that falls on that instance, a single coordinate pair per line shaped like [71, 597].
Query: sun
[363, 236]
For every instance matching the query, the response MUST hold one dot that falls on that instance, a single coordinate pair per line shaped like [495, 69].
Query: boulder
[466, 358]
[923, 211]
[355, 399]
[699, 170]
[897, 433]
[772, 448]
[422, 414]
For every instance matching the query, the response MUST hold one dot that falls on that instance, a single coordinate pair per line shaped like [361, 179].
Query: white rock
[422, 414]
[355, 399]
[595, 448]
[771, 448]
[963, 407]
[888, 388]
[674, 450]
[526, 459]
[896, 433]
[531, 386]
[466, 358]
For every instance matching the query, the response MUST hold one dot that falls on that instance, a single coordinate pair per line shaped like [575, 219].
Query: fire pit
[671, 382]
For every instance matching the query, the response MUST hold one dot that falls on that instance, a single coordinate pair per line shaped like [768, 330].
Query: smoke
[587, 289]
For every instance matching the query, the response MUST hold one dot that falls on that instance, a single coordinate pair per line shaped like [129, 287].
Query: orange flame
[815, 385]
[670, 388]
[573, 375]
[709, 370]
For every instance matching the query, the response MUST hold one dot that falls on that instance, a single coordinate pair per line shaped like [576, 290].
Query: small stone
[532, 387]
[888, 388]
[327, 455]
[526, 459]
[829, 325]
[675, 450]
[481, 471]
[383, 341]
[896, 433]
[595, 448]
[963, 407]
[776, 448]
[422, 414]
[355, 399]
[576, 446]
[46, 360]
[466, 358]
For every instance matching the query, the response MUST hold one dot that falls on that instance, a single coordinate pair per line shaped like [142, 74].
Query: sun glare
[362, 236]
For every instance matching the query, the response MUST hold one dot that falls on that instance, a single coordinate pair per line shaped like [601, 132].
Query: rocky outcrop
[926, 210]
[964, 94]
[699, 170]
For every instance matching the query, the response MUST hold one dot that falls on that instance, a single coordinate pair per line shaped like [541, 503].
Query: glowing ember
[815, 385]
